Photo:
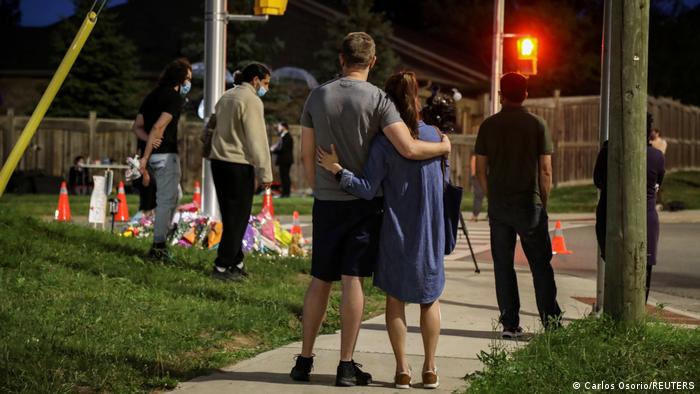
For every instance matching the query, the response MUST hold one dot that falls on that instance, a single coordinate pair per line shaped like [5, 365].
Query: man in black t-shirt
[514, 167]
[156, 123]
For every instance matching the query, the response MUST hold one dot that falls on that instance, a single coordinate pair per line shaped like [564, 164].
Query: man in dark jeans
[284, 149]
[514, 167]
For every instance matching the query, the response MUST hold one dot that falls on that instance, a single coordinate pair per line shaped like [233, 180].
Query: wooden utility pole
[626, 239]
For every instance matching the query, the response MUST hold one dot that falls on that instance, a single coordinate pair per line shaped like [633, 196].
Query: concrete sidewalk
[469, 314]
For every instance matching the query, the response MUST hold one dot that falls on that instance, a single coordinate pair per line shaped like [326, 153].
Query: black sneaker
[240, 271]
[302, 369]
[227, 275]
[161, 254]
[512, 333]
[349, 374]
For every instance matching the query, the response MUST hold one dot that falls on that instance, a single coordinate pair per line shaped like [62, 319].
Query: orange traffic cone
[197, 198]
[123, 210]
[63, 212]
[296, 228]
[558, 244]
[267, 203]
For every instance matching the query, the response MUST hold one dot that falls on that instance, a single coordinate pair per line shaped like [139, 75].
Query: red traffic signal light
[527, 55]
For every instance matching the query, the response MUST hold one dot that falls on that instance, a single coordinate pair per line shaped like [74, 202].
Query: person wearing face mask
[239, 152]
[284, 149]
[156, 130]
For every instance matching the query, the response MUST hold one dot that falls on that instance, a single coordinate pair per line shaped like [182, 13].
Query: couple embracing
[378, 183]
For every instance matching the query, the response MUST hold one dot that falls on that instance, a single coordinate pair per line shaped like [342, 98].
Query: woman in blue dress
[410, 266]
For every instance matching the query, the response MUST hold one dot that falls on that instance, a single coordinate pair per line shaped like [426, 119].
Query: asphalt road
[676, 277]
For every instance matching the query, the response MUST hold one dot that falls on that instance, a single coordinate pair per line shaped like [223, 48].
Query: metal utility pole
[215, 14]
[604, 127]
[626, 247]
[497, 57]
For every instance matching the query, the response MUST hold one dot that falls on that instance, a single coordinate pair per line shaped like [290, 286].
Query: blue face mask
[185, 88]
[261, 91]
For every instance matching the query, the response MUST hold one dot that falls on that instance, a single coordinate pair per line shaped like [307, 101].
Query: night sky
[46, 12]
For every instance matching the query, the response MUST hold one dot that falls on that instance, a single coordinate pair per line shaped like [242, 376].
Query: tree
[673, 46]
[10, 15]
[103, 78]
[359, 18]
[243, 45]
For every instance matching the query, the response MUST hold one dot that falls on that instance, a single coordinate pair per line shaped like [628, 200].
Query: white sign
[98, 201]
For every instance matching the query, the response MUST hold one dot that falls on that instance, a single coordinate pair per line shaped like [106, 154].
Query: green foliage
[10, 15]
[592, 350]
[673, 44]
[103, 78]
[83, 311]
[568, 31]
[242, 44]
[359, 18]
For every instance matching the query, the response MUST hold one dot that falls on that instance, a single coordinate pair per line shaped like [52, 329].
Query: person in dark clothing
[157, 121]
[284, 149]
[656, 168]
[514, 167]
[78, 177]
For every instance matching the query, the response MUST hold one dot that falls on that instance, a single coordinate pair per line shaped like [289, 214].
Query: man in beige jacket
[239, 151]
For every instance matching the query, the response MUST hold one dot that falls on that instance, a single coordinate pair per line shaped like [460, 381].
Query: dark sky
[46, 12]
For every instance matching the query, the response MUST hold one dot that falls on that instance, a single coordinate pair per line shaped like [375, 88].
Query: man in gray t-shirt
[347, 112]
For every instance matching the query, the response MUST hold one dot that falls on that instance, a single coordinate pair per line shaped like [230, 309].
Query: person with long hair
[156, 128]
[410, 266]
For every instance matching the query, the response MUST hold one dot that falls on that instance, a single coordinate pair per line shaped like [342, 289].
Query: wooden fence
[573, 122]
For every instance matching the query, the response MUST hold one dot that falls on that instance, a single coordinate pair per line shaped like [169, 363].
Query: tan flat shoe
[431, 379]
[402, 380]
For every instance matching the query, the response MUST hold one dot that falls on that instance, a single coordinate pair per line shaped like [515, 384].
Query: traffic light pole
[497, 55]
[214, 84]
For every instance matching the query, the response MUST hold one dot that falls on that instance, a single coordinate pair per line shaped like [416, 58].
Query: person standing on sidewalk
[284, 149]
[514, 167]
[347, 112]
[656, 169]
[239, 151]
[158, 116]
[411, 264]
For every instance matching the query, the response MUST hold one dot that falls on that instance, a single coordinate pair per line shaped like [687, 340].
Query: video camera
[440, 109]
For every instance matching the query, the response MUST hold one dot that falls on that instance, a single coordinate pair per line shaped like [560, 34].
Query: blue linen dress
[410, 266]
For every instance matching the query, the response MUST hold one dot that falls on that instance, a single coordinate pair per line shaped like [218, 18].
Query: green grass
[83, 310]
[678, 186]
[592, 350]
[683, 186]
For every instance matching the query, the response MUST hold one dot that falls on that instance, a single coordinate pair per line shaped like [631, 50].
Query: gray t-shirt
[347, 113]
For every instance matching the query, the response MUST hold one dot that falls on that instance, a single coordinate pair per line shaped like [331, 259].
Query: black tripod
[463, 226]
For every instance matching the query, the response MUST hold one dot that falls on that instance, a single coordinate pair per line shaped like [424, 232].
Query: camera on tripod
[440, 109]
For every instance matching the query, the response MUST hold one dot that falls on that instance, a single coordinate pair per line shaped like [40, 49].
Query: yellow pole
[63, 69]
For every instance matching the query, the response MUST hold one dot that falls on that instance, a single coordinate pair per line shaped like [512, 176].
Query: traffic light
[527, 55]
[270, 7]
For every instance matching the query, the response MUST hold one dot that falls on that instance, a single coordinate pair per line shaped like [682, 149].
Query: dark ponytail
[402, 88]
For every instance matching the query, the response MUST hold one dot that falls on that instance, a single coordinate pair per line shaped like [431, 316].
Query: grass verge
[593, 350]
[678, 186]
[84, 311]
